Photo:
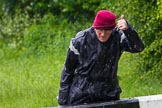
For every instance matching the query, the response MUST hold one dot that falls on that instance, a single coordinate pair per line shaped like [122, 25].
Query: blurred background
[35, 35]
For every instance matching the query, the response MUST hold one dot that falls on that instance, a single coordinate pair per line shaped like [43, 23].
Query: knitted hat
[104, 20]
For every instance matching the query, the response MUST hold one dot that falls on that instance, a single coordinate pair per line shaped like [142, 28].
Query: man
[90, 70]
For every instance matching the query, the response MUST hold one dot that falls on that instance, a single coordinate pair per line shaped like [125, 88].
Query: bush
[12, 28]
[150, 58]
[49, 35]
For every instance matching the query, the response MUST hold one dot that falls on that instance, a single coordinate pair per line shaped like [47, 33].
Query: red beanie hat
[104, 20]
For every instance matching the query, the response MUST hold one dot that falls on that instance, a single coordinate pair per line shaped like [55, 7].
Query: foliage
[39, 37]
[159, 4]
[149, 24]
[48, 35]
[133, 84]
[69, 9]
[151, 61]
[12, 29]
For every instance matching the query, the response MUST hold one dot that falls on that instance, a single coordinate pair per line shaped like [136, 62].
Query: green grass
[30, 82]
[33, 82]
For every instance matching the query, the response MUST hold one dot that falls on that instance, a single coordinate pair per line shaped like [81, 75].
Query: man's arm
[67, 75]
[133, 42]
[130, 40]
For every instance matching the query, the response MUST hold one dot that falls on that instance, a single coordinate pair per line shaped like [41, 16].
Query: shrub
[12, 28]
[49, 35]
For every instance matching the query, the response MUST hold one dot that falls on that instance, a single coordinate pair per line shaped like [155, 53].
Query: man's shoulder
[117, 32]
[81, 35]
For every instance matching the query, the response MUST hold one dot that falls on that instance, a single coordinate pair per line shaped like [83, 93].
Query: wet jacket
[90, 69]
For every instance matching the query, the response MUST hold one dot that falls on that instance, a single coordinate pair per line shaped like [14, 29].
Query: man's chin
[102, 40]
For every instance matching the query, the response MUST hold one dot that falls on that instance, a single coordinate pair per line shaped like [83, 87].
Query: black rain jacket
[90, 69]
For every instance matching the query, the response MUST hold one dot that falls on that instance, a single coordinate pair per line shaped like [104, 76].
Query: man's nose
[103, 32]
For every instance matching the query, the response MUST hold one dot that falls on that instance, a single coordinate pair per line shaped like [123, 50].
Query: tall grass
[30, 82]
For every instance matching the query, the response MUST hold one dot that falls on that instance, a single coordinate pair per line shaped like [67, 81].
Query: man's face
[103, 35]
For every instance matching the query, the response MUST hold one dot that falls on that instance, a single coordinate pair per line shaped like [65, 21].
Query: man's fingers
[121, 24]
[122, 17]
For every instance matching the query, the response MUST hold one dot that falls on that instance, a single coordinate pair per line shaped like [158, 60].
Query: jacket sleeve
[130, 40]
[67, 74]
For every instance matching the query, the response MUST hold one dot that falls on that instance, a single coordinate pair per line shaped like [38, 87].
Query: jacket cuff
[130, 28]
[61, 99]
